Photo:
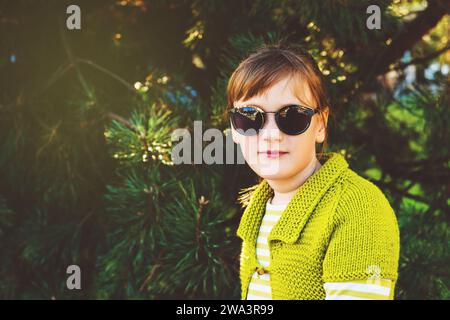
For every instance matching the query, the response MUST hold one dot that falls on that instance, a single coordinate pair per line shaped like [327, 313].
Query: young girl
[312, 228]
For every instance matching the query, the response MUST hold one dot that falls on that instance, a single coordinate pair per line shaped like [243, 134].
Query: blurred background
[86, 115]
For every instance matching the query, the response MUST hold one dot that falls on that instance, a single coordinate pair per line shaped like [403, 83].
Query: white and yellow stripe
[259, 288]
[359, 290]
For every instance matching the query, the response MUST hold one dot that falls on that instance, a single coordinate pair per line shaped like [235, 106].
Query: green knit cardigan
[338, 226]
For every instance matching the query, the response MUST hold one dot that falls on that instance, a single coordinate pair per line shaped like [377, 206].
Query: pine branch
[424, 59]
[122, 120]
[401, 192]
[73, 62]
[410, 35]
[150, 276]
[201, 203]
[109, 73]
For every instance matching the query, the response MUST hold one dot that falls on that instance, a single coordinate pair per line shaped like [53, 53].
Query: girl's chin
[271, 172]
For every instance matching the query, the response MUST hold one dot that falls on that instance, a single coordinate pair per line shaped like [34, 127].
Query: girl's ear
[323, 121]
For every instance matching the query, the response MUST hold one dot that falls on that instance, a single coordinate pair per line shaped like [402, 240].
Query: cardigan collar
[298, 210]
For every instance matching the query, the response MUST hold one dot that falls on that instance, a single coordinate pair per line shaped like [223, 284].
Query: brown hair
[269, 64]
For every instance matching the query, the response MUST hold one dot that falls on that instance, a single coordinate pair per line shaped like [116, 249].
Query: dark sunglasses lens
[247, 120]
[293, 120]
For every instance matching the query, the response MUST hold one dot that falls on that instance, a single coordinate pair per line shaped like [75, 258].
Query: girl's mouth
[273, 153]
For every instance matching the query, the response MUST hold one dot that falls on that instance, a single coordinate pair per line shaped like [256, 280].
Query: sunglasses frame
[310, 112]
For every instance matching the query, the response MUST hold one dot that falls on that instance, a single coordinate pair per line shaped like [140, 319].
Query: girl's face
[300, 149]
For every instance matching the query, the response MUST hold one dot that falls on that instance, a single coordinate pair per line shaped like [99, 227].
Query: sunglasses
[291, 119]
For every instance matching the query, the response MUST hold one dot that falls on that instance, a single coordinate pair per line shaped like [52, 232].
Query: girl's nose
[270, 131]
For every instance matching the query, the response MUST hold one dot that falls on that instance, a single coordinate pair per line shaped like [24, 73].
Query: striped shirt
[259, 288]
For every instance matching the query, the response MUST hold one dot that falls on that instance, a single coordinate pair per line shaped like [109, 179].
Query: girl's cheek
[300, 141]
[248, 148]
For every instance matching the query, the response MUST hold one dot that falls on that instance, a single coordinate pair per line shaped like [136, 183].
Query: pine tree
[86, 173]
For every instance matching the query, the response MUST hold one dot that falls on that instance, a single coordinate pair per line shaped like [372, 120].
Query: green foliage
[86, 120]
[202, 244]
[425, 238]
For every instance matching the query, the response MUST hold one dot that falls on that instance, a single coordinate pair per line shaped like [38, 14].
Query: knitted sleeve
[365, 240]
